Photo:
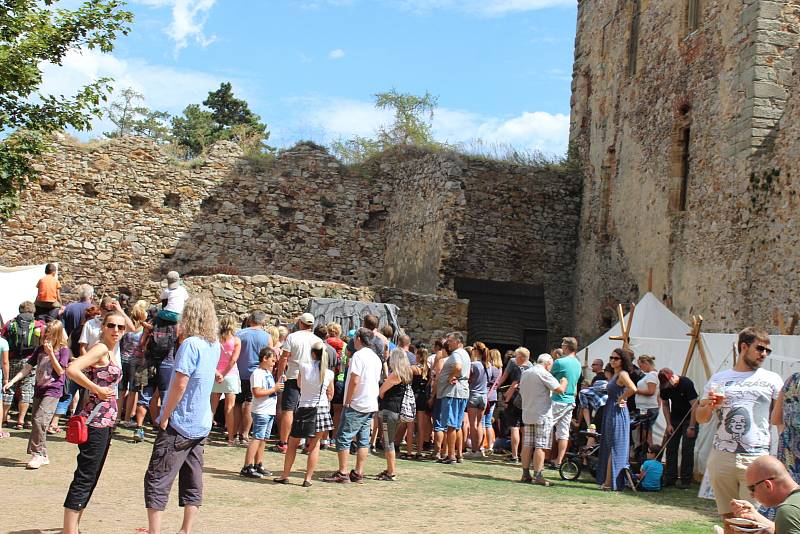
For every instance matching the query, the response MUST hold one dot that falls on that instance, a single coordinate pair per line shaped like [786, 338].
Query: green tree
[131, 118]
[412, 125]
[226, 118]
[34, 33]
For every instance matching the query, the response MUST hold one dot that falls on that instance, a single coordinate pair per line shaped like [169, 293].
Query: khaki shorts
[726, 471]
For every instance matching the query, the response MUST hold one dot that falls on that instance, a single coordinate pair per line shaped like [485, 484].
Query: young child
[49, 360]
[652, 470]
[263, 408]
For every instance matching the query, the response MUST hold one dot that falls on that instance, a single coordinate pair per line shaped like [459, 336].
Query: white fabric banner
[17, 284]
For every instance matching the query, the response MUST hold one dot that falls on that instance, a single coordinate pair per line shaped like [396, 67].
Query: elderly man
[743, 397]
[770, 484]
[453, 389]
[536, 386]
[597, 369]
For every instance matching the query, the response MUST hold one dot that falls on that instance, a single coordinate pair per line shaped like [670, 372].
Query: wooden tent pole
[625, 327]
[702, 349]
[650, 280]
[734, 354]
[694, 334]
[793, 324]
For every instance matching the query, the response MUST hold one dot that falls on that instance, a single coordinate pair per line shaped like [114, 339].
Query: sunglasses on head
[119, 327]
[762, 348]
[615, 358]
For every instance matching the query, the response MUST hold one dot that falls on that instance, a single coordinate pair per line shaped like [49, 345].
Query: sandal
[18, 426]
[4, 434]
[605, 488]
[280, 480]
[28, 425]
[306, 484]
[54, 430]
[385, 476]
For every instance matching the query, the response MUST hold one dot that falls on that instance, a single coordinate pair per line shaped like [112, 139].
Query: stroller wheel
[570, 469]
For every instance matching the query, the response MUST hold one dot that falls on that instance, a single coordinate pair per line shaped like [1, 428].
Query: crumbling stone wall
[119, 215]
[726, 84]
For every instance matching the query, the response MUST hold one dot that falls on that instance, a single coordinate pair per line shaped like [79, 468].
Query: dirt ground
[427, 497]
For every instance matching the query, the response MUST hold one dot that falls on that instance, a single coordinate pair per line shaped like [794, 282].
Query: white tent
[17, 284]
[655, 330]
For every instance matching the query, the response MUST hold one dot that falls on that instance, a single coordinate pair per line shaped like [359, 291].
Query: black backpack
[161, 344]
[22, 339]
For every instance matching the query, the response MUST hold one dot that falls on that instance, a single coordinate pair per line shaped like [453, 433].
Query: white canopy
[17, 284]
[657, 331]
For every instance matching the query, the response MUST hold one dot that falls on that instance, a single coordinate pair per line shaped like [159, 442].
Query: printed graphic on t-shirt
[744, 416]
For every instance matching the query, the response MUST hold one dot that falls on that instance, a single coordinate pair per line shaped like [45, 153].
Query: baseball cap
[307, 319]
[172, 279]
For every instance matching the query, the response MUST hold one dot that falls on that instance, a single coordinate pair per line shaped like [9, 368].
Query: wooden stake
[697, 321]
[734, 354]
[792, 324]
[777, 317]
[650, 281]
[625, 327]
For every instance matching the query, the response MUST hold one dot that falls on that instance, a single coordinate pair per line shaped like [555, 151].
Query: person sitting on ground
[48, 296]
[651, 472]
[263, 408]
[770, 483]
[536, 385]
[315, 380]
[50, 359]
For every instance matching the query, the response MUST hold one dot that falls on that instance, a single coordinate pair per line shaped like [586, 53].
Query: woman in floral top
[98, 371]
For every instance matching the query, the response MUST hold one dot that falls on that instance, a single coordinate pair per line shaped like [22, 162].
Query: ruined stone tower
[683, 112]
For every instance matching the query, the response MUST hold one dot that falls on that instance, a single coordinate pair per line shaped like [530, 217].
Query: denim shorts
[262, 425]
[477, 400]
[452, 412]
[353, 424]
[487, 416]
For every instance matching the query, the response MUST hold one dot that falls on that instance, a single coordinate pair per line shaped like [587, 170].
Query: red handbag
[78, 426]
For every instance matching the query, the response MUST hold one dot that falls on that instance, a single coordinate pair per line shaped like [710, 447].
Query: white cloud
[164, 88]
[336, 54]
[188, 21]
[328, 119]
[479, 7]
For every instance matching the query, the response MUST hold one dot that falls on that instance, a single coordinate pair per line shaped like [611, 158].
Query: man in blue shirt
[567, 366]
[253, 338]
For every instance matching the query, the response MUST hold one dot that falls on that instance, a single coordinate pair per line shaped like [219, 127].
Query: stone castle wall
[120, 214]
[727, 84]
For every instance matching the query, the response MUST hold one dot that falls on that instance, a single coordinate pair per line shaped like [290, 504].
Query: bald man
[771, 484]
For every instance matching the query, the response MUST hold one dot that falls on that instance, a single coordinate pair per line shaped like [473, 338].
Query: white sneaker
[45, 460]
[35, 462]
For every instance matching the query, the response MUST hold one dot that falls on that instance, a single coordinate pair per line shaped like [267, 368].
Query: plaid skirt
[324, 419]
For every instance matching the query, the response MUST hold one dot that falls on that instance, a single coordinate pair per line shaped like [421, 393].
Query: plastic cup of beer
[716, 393]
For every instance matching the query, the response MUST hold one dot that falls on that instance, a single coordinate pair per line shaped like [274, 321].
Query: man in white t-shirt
[296, 352]
[360, 402]
[536, 385]
[742, 398]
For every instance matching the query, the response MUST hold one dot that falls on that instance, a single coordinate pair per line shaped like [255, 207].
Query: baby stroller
[586, 458]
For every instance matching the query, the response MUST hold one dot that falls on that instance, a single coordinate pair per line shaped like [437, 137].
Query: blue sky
[501, 68]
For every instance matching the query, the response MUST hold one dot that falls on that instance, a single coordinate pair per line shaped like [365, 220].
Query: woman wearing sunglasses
[615, 441]
[97, 371]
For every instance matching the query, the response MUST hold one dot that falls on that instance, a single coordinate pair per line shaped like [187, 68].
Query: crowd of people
[176, 368]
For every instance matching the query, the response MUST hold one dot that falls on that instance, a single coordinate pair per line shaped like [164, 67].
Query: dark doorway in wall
[505, 315]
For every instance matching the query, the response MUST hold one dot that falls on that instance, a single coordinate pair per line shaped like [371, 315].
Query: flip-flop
[18, 427]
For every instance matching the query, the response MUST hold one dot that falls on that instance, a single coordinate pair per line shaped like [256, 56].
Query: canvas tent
[655, 330]
[17, 284]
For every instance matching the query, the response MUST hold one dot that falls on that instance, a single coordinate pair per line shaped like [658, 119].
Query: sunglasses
[752, 488]
[119, 327]
[615, 358]
[762, 348]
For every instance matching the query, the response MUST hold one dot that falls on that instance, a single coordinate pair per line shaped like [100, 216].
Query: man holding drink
[742, 398]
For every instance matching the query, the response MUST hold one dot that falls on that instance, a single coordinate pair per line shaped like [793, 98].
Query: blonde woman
[647, 398]
[495, 369]
[49, 359]
[226, 379]
[185, 418]
[316, 390]
[391, 396]
[421, 390]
